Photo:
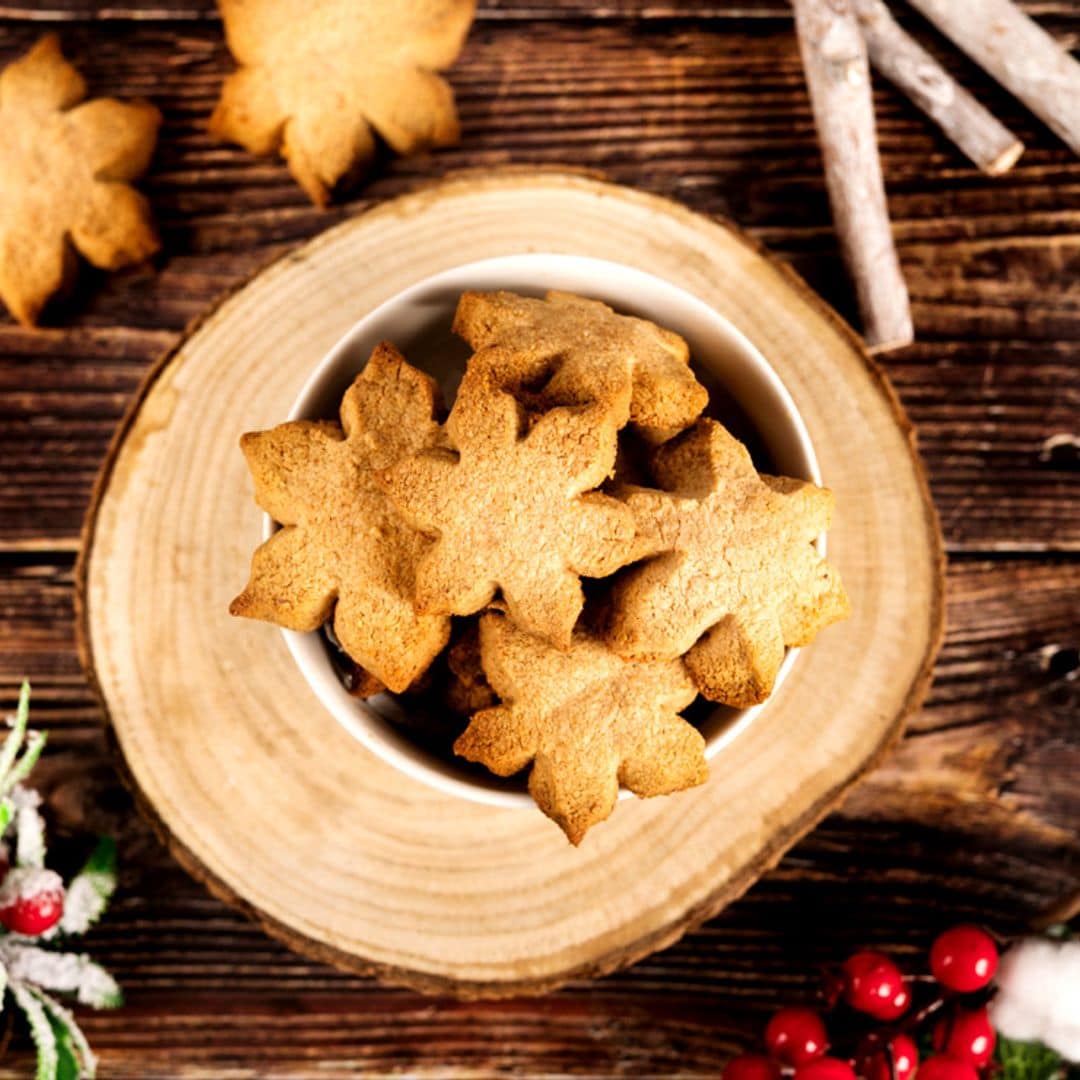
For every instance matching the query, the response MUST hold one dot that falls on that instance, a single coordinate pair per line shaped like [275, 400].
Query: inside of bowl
[745, 395]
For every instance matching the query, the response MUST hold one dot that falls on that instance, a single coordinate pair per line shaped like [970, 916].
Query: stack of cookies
[703, 570]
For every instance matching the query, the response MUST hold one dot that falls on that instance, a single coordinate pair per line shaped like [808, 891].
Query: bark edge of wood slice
[263, 797]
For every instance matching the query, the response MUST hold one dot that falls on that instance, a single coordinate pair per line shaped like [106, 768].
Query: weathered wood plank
[973, 817]
[1009, 667]
[996, 423]
[719, 120]
[975, 814]
[158, 10]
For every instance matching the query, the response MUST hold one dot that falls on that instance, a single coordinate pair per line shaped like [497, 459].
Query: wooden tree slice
[260, 793]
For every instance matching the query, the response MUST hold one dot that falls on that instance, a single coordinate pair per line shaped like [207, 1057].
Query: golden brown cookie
[318, 78]
[733, 575]
[344, 549]
[467, 689]
[513, 509]
[361, 683]
[587, 720]
[575, 351]
[64, 168]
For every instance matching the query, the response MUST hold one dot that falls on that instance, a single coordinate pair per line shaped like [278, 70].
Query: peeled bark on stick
[909, 67]
[1017, 52]
[838, 77]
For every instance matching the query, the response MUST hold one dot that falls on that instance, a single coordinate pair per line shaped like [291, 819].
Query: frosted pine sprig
[36, 910]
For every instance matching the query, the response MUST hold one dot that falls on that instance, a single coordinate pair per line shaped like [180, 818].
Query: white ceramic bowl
[743, 387]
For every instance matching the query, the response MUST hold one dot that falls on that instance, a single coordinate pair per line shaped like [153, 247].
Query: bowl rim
[362, 721]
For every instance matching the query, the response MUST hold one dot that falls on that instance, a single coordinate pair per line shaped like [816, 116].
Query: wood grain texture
[423, 888]
[158, 10]
[183, 958]
[1010, 651]
[974, 816]
[717, 119]
[899, 57]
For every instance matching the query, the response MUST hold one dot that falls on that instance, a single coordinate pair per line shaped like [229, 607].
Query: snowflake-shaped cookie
[318, 79]
[344, 548]
[574, 350]
[64, 168]
[587, 720]
[514, 510]
[734, 575]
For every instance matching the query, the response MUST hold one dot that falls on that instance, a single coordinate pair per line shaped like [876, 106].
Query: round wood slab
[265, 798]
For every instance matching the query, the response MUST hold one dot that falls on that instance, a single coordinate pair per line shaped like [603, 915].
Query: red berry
[875, 986]
[905, 1059]
[751, 1067]
[795, 1036]
[966, 1035]
[825, 1068]
[31, 900]
[946, 1068]
[964, 959]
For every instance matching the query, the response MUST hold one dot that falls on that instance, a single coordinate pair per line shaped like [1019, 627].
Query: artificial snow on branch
[36, 908]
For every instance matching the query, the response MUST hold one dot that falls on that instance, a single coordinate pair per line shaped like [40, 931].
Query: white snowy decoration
[30, 971]
[1038, 996]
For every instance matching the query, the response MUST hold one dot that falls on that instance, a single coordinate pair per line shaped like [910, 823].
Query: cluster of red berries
[31, 898]
[962, 962]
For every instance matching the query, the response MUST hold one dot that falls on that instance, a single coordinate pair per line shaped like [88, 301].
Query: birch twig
[909, 67]
[838, 78]
[1019, 54]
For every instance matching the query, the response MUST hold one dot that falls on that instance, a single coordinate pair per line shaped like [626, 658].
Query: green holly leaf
[102, 859]
[1059, 932]
[69, 1038]
[89, 892]
[1027, 1061]
[67, 1065]
[11, 744]
[35, 743]
[43, 969]
[41, 1031]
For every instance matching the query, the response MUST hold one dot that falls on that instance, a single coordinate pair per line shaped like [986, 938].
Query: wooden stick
[838, 77]
[1017, 52]
[909, 67]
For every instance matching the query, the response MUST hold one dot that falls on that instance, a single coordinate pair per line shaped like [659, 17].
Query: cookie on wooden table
[586, 720]
[513, 510]
[344, 550]
[574, 350]
[732, 575]
[65, 164]
[319, 78]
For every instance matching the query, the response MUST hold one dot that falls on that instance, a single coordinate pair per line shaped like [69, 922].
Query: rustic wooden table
[974, 816]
